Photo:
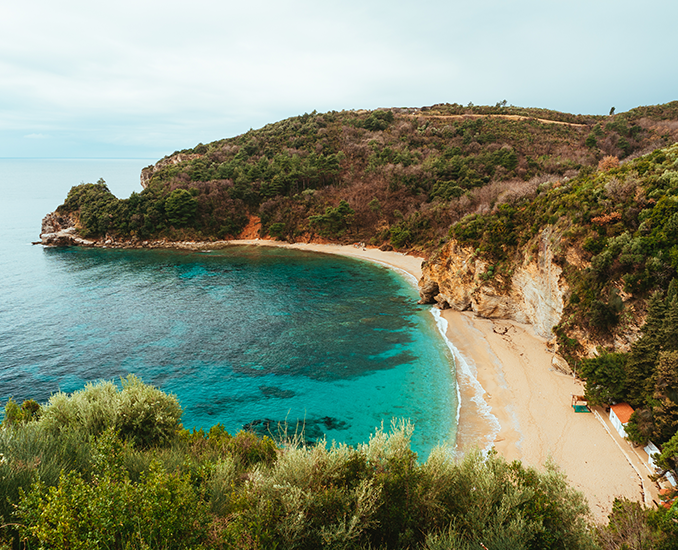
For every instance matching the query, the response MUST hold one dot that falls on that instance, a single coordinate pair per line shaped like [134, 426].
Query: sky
[143, 78]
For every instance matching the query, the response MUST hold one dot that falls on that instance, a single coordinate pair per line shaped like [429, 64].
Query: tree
[605, 377]
[591, 141]
[669, 330]
[668, 458]
[641, 364]
[666, 393]
[335, 221]
[180, 207]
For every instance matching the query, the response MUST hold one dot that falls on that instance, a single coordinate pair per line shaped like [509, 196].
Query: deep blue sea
[248, 337]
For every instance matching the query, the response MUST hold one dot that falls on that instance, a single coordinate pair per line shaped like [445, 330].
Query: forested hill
[389, 177]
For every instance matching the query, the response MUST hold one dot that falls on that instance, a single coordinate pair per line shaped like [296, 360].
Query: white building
[651, 449]
[619, 416]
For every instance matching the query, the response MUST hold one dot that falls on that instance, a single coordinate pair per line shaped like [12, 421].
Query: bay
[247, 337]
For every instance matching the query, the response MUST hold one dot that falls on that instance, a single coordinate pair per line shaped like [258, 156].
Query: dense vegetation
[618, 246]
[112, 468]
[396, 177]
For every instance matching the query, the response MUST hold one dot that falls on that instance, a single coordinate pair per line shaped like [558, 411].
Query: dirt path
[508, 117]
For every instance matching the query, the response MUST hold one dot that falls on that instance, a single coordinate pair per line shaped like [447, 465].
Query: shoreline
[531, 402]
[509, 395]
[511, 398]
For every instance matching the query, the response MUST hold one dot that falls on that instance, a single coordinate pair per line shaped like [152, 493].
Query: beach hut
[652, 450]
[619, 416]
[580, 404]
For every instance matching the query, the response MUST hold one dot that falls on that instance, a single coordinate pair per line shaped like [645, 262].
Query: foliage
[631, 526]
[141, 414]
[20, 414]
[180, 207]
[335, 221]
[407, 159]
[213, 490]
[377, 494]
[220, 491]
[109, 511]
[378, 120]
[605, 377]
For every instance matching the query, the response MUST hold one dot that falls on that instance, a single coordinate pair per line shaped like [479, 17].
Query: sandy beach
[513, 399]
[532, 403]
[397, 260]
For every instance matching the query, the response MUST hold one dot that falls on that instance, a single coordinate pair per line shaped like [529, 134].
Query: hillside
[391, 177]
[568, 222]
[591, 261]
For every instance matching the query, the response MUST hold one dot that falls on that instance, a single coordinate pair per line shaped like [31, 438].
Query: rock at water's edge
[456, 278]
[60, 230]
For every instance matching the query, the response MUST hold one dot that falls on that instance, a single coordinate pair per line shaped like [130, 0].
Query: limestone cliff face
[456, 278]
[58, 230]
[147, 173]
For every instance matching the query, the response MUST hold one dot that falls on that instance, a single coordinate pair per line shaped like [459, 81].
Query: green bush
[141, 413]
[400, 236]
[161, 511]
[20, 414]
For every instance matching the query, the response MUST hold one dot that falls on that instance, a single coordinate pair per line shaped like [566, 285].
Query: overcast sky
[142, 78]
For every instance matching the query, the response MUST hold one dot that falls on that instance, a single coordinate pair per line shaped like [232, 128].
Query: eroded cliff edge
[536, 292]
[60, 230]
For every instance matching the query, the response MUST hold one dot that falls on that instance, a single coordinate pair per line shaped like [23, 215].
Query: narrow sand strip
[530, 400]
[398, 260]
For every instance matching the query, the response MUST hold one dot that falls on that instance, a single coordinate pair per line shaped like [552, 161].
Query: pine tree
[672, 291]
[669, 333]
[666, 393]
[642, 361]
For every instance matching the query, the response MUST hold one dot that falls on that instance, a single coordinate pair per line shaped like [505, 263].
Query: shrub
[161, 511]
[20, 414]
[607, 163]
[141, 413]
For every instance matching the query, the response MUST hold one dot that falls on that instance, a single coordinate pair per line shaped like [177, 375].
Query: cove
[249, 337]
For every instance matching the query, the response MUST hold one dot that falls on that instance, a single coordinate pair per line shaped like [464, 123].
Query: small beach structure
[619, 416]
[580, 404]
[652, 450]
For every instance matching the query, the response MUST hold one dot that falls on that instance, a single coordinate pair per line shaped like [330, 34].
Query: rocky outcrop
[60, 230]
[147, 173]
[457, 278]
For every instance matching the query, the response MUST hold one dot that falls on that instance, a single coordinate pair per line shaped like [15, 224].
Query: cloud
[148, 74]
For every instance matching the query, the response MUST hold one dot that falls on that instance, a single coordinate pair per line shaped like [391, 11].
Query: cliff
[60, 230]
[455, 277]
[171, 160]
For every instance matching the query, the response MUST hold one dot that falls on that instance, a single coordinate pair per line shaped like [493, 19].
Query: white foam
[468, 376]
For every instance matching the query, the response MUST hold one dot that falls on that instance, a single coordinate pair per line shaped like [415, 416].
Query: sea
[267, 339]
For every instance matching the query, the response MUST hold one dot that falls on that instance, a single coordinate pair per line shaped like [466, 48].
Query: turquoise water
[249, 337]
